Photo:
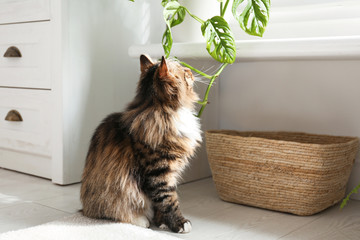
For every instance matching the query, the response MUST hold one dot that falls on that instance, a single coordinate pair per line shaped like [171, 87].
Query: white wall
[308, 18]
[98, 72]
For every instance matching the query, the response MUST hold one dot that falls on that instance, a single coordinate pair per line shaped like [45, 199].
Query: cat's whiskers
[208, 69]
[204, 81]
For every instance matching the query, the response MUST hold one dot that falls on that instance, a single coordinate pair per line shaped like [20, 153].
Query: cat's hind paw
[141, 221]
[186, 227]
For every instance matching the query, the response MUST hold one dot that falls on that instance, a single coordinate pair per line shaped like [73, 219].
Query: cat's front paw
[179, 227]
[186, 228]
[163, 226]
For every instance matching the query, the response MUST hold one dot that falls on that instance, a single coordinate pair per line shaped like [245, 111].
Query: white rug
[78, 227]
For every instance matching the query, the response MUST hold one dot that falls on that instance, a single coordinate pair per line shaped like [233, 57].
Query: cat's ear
[145, 63]
[163, 69]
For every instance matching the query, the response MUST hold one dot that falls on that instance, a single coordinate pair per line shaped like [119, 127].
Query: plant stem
[344, 202]
[223, 8]
[195, 70]
[194, 17]
[204, 102]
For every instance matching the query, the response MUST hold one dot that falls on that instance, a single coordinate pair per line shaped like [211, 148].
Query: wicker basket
[290, 172]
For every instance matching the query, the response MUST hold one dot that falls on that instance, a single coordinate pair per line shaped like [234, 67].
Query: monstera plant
[252, 16]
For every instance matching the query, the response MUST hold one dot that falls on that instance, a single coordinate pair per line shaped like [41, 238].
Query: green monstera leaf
[254, 17]
[167, 41]
[174, 14]
[220, 41]
[164, 2]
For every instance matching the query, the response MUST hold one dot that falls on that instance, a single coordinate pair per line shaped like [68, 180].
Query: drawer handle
[13, 116]
[12, 52]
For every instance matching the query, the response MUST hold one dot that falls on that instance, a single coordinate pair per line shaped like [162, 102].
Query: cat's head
[167, 82]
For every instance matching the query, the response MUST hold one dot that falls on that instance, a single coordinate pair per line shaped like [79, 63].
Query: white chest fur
[188, 125]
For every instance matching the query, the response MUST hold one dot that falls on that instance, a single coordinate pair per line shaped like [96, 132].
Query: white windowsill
[344, 47]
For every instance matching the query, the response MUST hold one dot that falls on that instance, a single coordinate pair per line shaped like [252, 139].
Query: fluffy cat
[136, 157]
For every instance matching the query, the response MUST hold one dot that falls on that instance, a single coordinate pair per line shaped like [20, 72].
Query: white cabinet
[25, 87]
[47, 77]
[17, 11]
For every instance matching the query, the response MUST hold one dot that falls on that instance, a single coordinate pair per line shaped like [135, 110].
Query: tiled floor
[27, 201]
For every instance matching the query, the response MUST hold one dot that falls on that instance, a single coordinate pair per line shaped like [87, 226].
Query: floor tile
[333, 224]
[9, 200]
[243, 222]
[66, 202]
[30, 188]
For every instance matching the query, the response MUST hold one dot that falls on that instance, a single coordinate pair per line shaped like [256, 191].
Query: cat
[135, 157]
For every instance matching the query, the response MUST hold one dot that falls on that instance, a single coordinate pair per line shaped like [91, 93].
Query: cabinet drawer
[32, 68]
[33, 133]
[14, 11]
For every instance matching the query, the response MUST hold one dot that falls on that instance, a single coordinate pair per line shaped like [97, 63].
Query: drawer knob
[12, 52]
[13, 116]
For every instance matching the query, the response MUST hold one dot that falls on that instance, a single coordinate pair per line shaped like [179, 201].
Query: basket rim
[230, 133]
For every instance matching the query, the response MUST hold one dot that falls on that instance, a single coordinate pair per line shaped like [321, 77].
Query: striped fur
[136, 157]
